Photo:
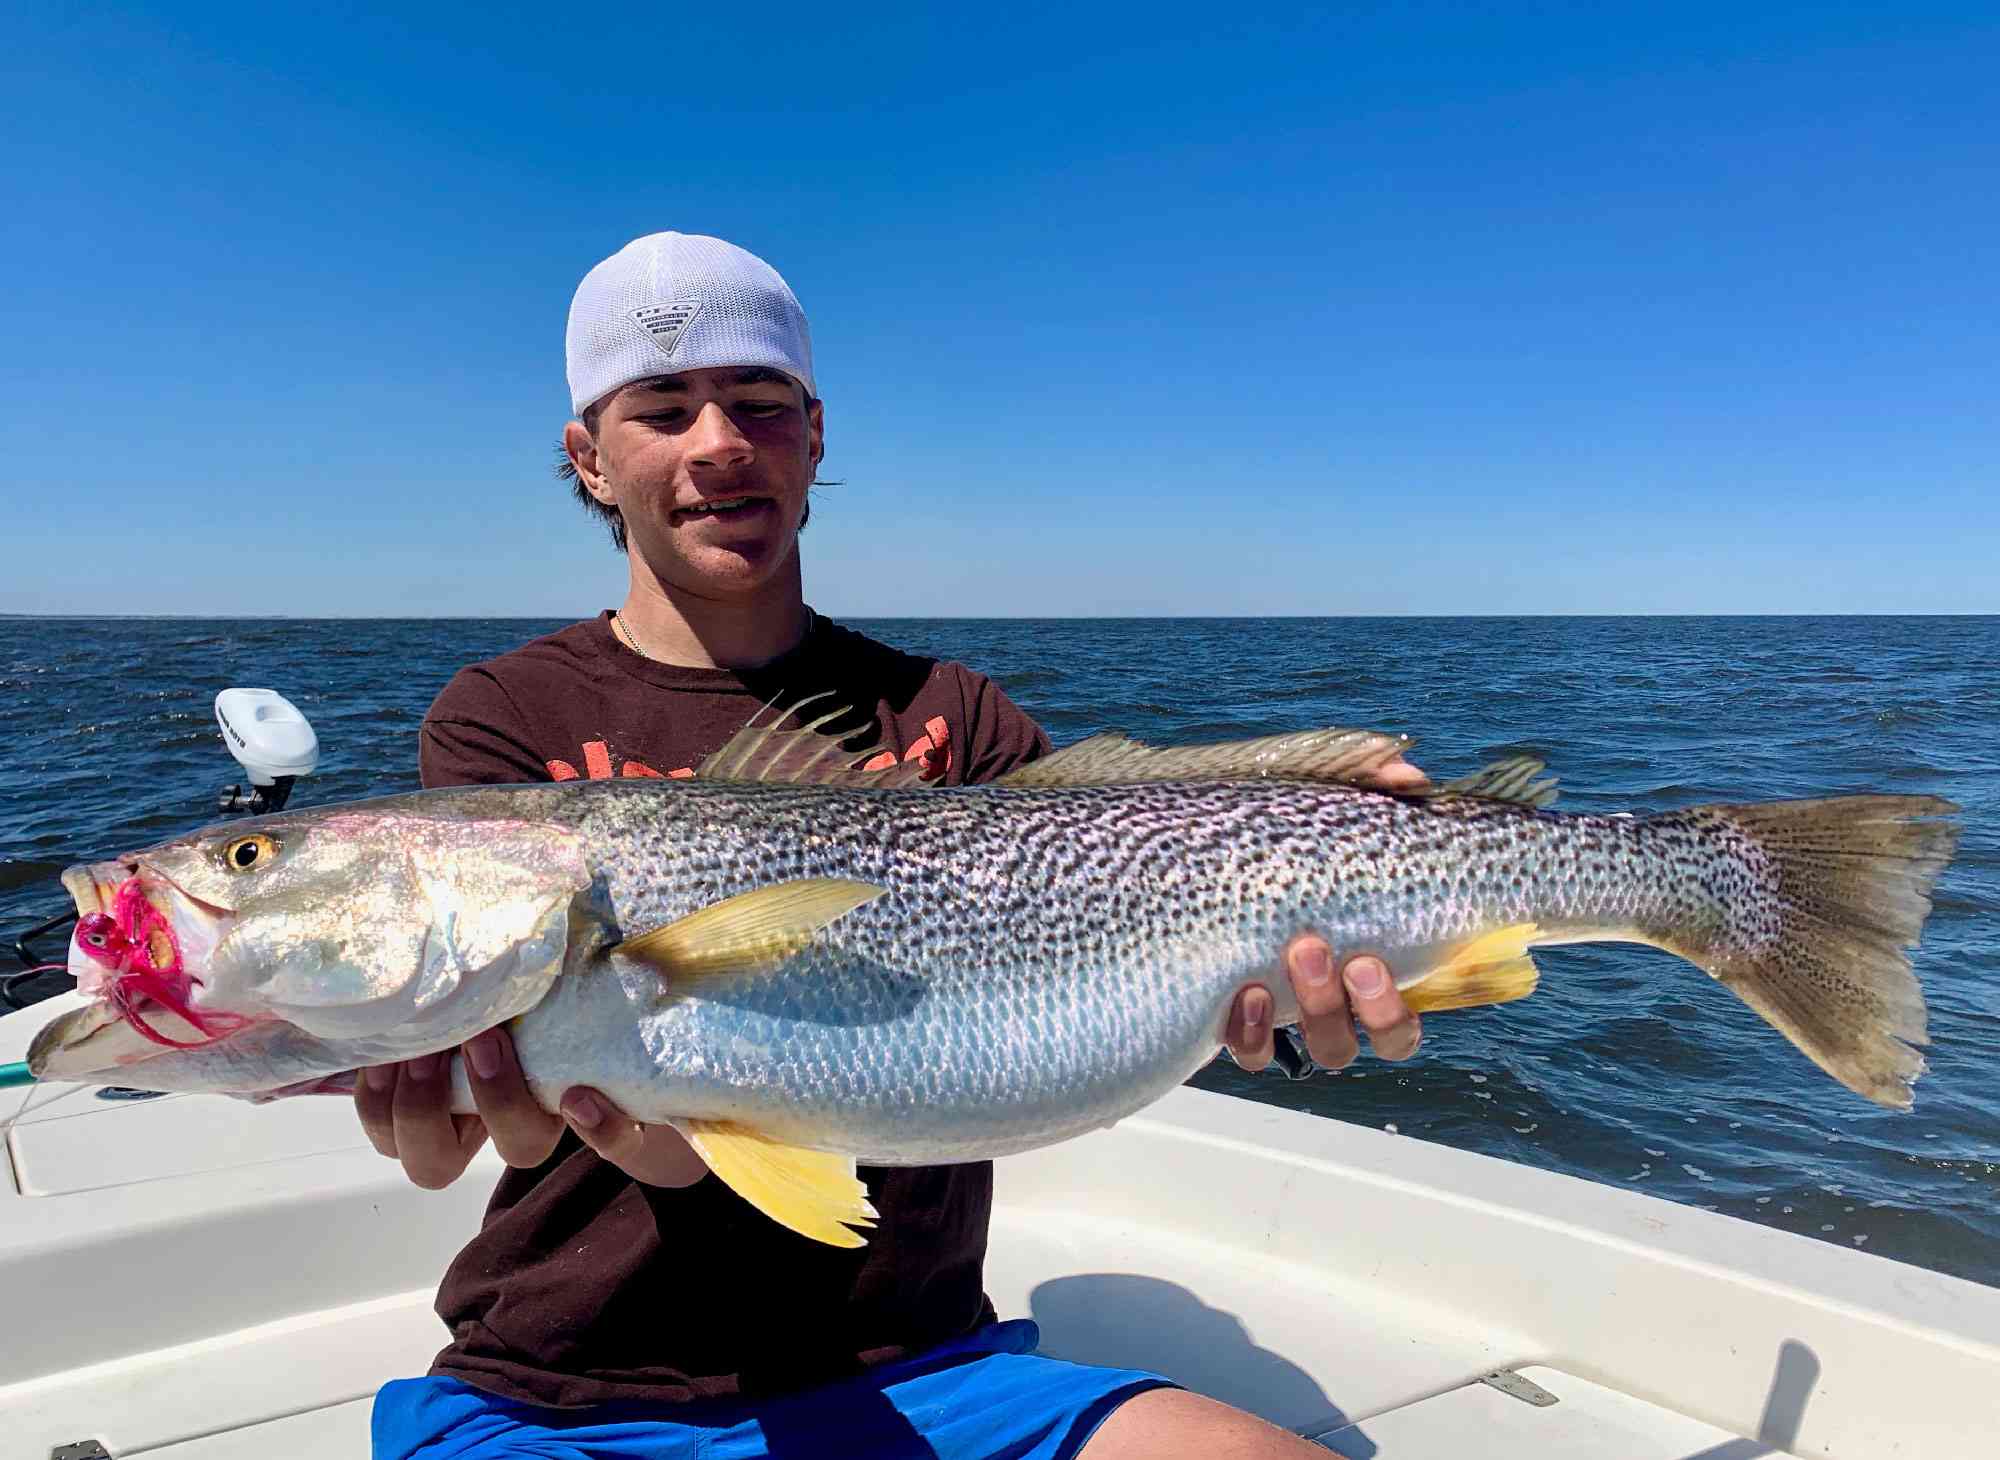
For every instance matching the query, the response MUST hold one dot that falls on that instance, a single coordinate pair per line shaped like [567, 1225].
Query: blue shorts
[988, 1394]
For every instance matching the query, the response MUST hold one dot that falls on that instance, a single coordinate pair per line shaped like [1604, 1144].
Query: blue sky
[1117, 310]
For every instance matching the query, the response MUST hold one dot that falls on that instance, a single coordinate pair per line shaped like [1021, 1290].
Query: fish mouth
[184, 933]
[121, 900]
[139, 950]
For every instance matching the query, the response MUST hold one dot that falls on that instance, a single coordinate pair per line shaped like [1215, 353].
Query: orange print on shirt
[934, 746]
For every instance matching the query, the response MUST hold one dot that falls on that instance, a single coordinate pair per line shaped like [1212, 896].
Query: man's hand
[1330, 1007]
[406, 1114]
[405, 1110]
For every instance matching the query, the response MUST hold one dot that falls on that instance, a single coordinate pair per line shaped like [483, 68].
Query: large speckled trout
[801, 966]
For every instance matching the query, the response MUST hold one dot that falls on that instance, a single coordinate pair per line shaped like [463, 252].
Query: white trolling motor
[271, 740]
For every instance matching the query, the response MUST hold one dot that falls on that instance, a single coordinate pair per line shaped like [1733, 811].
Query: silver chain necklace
[622, 630]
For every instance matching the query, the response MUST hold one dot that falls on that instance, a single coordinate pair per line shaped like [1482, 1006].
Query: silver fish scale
[1048, 960]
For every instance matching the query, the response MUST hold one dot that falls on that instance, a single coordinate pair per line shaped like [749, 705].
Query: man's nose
[714, 441]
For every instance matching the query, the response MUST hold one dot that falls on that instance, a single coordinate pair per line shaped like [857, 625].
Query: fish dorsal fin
[1347, 756]
[804, 755]
[1493, 968]
[751, 932]
[815, 1193]
[1512, 780]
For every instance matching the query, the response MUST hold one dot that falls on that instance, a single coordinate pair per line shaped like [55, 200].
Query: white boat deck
[197, 1277]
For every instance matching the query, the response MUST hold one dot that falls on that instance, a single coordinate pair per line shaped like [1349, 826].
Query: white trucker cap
[670, 302]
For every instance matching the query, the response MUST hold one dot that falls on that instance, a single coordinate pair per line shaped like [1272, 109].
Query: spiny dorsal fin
[750, 932]
[815, 1193]
[805, 755]
[1347, 756]
[1511, 780]
[1492, 968]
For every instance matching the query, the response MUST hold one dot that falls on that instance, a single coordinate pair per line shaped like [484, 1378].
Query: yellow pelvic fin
[815, 1193]
[752, 931]
[1493, 968]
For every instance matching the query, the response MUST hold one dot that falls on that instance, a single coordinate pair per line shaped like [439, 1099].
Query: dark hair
[610, 516]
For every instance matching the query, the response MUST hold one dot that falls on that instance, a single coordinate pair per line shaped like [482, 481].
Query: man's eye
[763, 407]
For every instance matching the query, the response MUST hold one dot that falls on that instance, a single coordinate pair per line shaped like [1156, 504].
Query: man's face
[709, 469]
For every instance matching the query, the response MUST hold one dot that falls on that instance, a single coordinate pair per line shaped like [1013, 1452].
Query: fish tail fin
[1846, 888]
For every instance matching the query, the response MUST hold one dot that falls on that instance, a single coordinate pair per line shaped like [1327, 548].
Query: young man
[615, 1302]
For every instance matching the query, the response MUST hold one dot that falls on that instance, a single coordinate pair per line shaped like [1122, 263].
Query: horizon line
[6, 616]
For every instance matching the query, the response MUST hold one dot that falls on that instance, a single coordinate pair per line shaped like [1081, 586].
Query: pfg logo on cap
[665, 322]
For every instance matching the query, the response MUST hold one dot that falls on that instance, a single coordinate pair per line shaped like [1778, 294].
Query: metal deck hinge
[80, 1450]
[1512, 1384]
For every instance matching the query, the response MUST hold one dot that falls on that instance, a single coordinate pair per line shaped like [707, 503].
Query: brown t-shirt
[584, 1286]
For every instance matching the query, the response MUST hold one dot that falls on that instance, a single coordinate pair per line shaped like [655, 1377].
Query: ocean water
[1627, 1067]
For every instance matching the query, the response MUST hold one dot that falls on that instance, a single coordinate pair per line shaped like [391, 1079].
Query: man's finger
[435, 1149]
[374, 1100]
[1249, 1033]
[614, 1136]
[1398, 775]
[658, 1155]
[1392, 1029]
[1323, 1015]
[523, 1133]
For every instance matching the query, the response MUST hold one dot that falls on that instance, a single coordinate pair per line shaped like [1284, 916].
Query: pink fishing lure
[122, 942]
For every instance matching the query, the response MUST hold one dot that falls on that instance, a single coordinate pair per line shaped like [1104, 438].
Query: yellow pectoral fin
[751, 931]
[1493, 968]
[815, 1193]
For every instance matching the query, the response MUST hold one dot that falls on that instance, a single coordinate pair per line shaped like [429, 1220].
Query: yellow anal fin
[1488, 983]
[1493, 968]
[750, 932]
[814, 1193]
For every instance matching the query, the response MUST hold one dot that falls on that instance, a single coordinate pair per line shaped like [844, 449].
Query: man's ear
[581, 448]
[816, 430]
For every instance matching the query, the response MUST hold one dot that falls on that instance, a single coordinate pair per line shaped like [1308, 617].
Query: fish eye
[249, 852]
[95, 940]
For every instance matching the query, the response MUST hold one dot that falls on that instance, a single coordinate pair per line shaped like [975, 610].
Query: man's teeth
[723, 504]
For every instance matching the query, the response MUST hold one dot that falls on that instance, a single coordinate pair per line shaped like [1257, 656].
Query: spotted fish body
[1048, 961]
[906, 975]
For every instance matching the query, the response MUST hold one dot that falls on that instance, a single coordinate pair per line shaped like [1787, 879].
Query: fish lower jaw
[100, 1038]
